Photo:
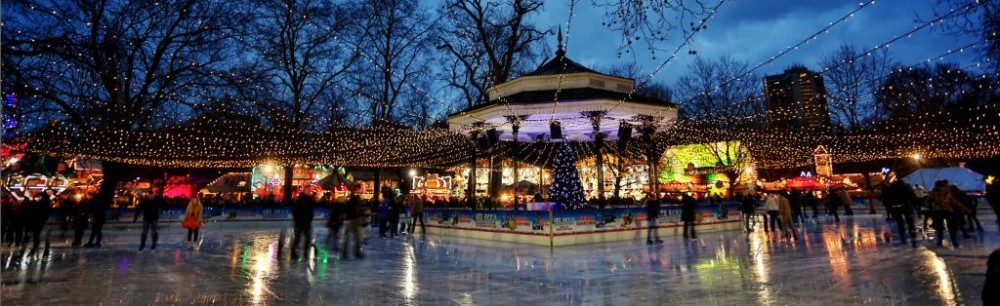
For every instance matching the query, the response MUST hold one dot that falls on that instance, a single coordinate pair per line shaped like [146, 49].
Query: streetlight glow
[916, 156]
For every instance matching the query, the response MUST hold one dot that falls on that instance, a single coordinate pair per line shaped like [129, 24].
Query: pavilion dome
[562, 90]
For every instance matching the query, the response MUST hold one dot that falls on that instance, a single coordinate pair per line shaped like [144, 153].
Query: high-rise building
[796, 99]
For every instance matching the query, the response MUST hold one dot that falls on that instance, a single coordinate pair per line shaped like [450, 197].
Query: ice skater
[652, 212]
[899, 199]
[38, 215]
[193, 218]
[417, 211]
[334, 222]
[773, 207]
[80, 214]
[98, 217]
[688, 207]
[787, 217]
[354, 221]
[991, 287]
[149, 208]
[747, 207]
[943, 205]
[302, 213]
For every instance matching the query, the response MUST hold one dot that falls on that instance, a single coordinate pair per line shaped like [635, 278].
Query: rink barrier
[572, 227]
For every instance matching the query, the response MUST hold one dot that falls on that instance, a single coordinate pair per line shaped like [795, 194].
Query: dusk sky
[757, 30]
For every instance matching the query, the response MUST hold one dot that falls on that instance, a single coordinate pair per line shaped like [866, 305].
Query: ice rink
[239, 263]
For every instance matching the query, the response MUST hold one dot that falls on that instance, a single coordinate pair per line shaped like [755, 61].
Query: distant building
[796, 99]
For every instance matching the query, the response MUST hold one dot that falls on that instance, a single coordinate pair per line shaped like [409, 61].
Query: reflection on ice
[847, 264]
[945, 286]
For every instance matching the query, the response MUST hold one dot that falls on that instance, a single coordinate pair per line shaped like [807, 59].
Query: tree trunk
[112, 174]
[471, 195]
[376, 194]
[599, 144]
[286, 189]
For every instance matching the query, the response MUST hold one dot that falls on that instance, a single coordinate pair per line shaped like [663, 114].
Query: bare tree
[715, 89]
[852, 85]
[651, 21]
[114, 65]
[489, 41]
[977, 18]
[299, 61]
[716, 98]
[393, 37]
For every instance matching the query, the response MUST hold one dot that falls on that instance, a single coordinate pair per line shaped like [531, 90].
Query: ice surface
[238, 263]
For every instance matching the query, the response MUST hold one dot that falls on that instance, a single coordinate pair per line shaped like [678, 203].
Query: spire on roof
[559, 48]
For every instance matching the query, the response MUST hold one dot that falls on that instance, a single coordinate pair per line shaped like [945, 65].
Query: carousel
[560, 103]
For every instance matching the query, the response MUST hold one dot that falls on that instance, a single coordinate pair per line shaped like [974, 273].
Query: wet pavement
[240, 263]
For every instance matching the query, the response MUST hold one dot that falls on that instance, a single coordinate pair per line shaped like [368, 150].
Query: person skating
[833, 203]
[963, 211]
[418, 213]
[193, 220]
[971, 217]
[354, 221]
[652, 212]
[688, 207]
[787, 216]
[747, 209]
[80, 216]
[795, 200]
[899, 200]
[98, 209]
[395, 209]
[334, 222]
[383, 219]
[918, 206]
[993, 197]
[942, 205]
[18, 221]
[846, 201]
[7, 215]
[302, 213]
[149, 208]
[991, 287]
[773, 208]
[38, 215]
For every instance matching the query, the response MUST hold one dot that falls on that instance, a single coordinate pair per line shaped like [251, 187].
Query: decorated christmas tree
[566, 190]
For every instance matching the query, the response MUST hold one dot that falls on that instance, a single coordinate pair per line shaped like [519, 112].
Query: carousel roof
[564, 91]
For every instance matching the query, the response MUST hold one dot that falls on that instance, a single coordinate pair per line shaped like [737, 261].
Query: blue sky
[755, 30]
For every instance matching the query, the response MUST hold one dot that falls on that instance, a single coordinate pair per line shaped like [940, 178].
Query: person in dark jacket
[652, 212]
[965, 210]
[899, 200]
[943, 206]
[97, 220]
[993, 197]
[747, 208]
[395, 208]
[795, 200]
[991, 288]
[80, 214]
[335, 221]
[18, 221]
[688, 207]
[302, 213]
[7, 214]
[973, 205]
[354, 217]
[149, 208]
[38, 214]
